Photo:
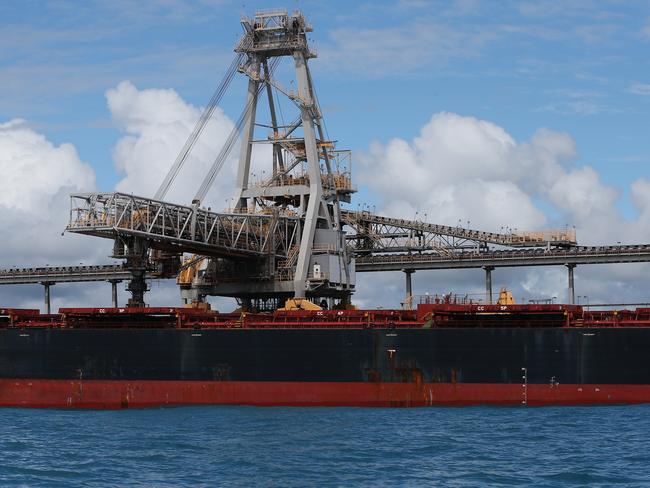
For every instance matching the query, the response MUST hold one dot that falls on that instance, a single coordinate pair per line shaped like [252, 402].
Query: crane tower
[283, 237]
[308, 176]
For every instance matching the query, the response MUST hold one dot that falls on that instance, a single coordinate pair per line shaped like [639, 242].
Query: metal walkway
[364, 264]
[506, 258]
[378, 243]
[409, 263]
[375, 233]
[181, 228]
[63, 274]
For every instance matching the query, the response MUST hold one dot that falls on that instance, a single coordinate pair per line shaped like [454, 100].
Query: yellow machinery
[505, 297]
[189, 269]
[300, 304]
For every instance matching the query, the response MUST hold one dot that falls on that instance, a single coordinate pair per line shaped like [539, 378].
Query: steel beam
[47, 284]
[488, 284]
[64, 274]
[444, 237]
[243, 169]
[313, 170]
[409, 285]
[114, 292]
[505, 259]
[394, 262]
[572, 293]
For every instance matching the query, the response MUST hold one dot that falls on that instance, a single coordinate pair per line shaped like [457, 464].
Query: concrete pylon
[47, 284]
[409, 287]
[571, 292]
[114, 292]
[488, 283]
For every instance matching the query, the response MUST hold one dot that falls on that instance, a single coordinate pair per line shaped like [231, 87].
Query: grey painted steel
[387, 234]
[243, 169]
[179, 228]
[278, 246]
[488, 283]
[315, 180]
[572, 293]
[63, 274]
[409, 282]
[114, 292]
[283, 216]
[393, 262]
[278, 160]
[48, 308]
[198, 128]
[504, 259]
[275, 191]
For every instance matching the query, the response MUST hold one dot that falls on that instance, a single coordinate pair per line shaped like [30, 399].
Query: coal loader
[288, 252]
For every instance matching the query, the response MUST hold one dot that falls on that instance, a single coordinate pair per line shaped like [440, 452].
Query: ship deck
[424, 316]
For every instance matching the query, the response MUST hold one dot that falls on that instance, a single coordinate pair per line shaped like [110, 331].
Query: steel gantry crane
[286, 236]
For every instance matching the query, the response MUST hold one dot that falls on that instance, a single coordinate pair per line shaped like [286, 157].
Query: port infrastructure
[286, 235]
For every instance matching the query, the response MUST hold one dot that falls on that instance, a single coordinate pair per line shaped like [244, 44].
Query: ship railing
[450, 298]
[189, 228]
[497, 255]
[364, 219]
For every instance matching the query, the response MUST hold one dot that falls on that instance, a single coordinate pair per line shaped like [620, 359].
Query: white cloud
[574, 107]
[462, 168]
[640, 88]
[640, 191]
[408, 47]
[34, 170]
[582, 195]
[469, 169]
[645, 30]
[37, 177]
[455, 168]
[156, 124]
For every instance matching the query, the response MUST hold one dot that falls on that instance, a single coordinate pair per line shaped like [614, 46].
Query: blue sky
[385, 67]
[506, 113]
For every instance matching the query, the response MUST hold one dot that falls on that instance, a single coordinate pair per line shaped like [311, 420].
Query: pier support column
[47, 284]
[409, 288]
[488, 284]
[572, 292]
[114, 291]
[137, 262]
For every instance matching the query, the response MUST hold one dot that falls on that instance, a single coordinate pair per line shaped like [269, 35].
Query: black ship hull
[118, 367]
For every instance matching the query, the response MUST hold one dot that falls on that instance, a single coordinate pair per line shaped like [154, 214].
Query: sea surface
[252, 446]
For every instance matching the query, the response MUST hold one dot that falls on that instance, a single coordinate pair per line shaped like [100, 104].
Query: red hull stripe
[102, 394]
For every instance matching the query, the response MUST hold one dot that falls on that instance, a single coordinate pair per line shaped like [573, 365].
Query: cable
[230, 142]
[198, 128]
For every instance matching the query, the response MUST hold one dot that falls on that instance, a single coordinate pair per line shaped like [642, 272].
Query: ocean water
[286, 447]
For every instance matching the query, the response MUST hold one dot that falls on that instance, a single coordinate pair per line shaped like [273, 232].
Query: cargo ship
[288, 253]
[437, 354]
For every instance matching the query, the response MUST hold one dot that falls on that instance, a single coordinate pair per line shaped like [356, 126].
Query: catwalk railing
[388, 262]
[63, 274]
[181, 228]
[374, 233]
[380, 243]
[506, 258]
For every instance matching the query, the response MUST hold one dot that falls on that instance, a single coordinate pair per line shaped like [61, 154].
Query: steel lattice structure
[286, 235]
[181, 228]
[377, 234]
